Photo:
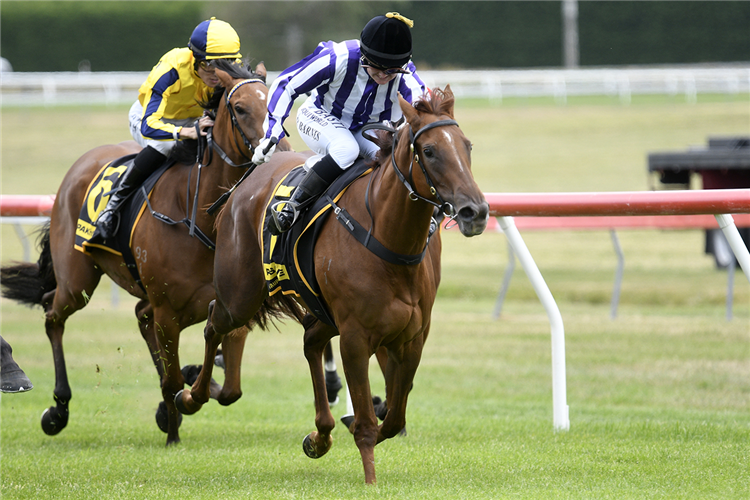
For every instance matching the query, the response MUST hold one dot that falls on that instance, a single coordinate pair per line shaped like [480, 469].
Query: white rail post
[561, 420]
[726, 223]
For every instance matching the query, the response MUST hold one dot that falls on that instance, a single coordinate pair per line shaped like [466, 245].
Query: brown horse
[175, 268]
[374, 302]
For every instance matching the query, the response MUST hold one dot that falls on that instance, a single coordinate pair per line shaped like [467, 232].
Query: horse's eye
[428, 152]
[238, 109]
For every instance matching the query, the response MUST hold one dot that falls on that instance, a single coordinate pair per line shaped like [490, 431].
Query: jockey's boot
[146, 162]
[312, 185]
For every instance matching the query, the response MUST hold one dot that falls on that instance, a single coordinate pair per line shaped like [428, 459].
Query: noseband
[235, 126]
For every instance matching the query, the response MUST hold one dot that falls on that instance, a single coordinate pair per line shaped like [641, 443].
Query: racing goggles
[366, 63]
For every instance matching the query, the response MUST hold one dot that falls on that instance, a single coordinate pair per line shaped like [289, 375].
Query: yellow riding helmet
[214, 39]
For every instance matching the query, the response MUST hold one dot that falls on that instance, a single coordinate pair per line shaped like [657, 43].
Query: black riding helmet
[386, 40]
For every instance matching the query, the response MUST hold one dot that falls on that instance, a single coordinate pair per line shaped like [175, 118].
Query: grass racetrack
[659, 397]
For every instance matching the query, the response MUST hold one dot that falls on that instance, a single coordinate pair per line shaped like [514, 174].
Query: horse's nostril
[467, 213]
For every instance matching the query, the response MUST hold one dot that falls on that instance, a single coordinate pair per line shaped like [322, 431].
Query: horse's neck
[401, 224]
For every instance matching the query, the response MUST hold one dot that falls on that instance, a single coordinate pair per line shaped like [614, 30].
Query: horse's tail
[277, 307]
[26, 282]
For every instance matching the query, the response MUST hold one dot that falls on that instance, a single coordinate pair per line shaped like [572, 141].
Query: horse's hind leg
[317, 336]
[168, 336]
[59, 304]
[333, 381]
[381, 407]
[145, 315]
[144, 312]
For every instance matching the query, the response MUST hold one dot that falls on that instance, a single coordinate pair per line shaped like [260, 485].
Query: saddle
[97, 195]
[288, 257]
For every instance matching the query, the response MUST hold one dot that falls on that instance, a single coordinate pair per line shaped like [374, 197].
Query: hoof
[180, 404]
[162, 417]
[53, 421]
[308, 446]
[348, 421]
[381, 407]
[13, 379]
[190, 373]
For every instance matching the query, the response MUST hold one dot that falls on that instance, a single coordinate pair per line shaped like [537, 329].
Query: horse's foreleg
[355, 355]
[191, 400]
[317, 337]
[400, 372]
[233, 345]
[168, 336]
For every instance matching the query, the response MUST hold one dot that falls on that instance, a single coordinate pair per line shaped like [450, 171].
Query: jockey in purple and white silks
[350, 84]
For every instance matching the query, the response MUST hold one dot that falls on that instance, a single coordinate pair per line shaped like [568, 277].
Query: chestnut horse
[374, 303]
[175, 268]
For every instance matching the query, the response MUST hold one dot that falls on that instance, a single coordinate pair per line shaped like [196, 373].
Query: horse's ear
[448, 98]
[224, 78]
[260, 70]
[410, 113]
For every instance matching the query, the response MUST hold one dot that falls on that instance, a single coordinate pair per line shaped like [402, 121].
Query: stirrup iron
[276, 212]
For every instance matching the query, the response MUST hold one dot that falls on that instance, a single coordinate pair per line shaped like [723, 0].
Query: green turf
[659, 397]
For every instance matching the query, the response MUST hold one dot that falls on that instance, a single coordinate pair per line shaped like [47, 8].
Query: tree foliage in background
[111, 36]
[663, 32]
[131, 36]
[282, 33]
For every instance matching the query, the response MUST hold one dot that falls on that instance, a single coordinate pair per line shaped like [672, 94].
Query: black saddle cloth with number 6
[288, 258]
[130, 212]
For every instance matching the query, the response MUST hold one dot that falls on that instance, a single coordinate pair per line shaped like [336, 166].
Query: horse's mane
[436, 102]
[186, 151]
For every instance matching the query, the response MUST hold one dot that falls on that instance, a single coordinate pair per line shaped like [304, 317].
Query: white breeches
[325, 134]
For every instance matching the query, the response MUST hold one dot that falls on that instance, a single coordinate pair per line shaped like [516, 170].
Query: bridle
[445, 207]
[212, 145]
[209, 146]
[365, 236]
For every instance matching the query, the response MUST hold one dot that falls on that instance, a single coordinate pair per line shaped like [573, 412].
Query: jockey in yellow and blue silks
[168, 106]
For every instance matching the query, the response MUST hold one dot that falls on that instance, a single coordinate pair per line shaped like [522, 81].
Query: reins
[365, 236]
[206, 149]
